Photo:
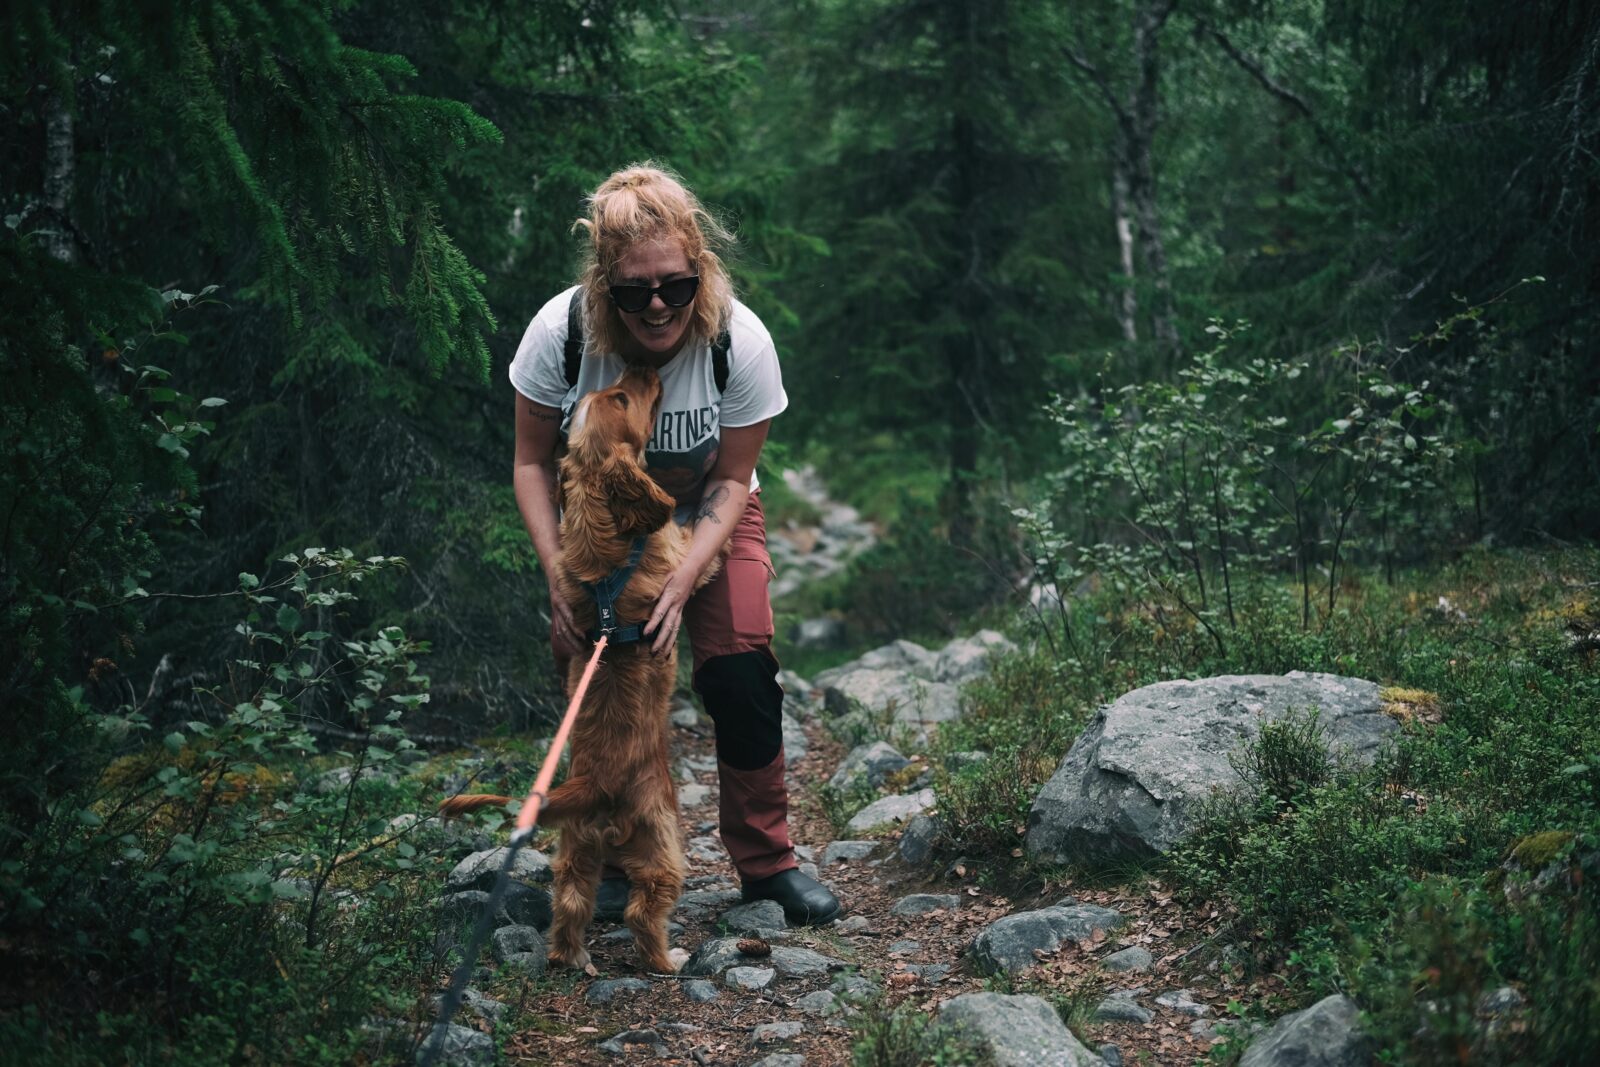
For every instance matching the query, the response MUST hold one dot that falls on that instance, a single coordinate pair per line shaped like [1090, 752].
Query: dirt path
[558, 1023]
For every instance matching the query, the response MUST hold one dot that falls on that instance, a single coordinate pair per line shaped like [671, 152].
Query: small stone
[749, 979]
[510, 940]
[1328, 1034]
[905, 948]
[854, 924]
[628, 1042]
[1182, 1001]
[604, 992]
[756, 917]
[693, 795]
[868, 764]
[1012, 944]
[622, 933]
[1112, 1055]
[929, 972]
[686, 716]
[700, 991]
[707, 849]
[781, 1059]
[1121, 1010]
[1134, 959]
[822, 1003]
[924, 903]
[854, 988]
[462, 1046]
[889, 810]
[959, 761]
[768, 1033]
[841, 851]
[918, 838]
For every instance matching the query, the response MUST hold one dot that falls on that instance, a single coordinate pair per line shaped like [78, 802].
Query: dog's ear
[638, 504]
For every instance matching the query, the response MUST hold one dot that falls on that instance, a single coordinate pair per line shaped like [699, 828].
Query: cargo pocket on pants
[749, 607]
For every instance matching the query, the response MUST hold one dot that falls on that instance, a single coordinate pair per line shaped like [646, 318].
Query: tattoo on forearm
[547, 416]
[709, 504]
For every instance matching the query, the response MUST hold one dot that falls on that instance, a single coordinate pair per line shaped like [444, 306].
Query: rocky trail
[1142, 978]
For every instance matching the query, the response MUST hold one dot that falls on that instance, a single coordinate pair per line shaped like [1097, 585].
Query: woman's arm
[727, 490]
[533, 481]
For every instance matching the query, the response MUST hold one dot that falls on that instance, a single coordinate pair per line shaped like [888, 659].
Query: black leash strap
[433, 1046]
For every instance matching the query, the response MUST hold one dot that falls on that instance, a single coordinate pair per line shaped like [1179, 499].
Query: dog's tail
[457, 806]
[573, 797]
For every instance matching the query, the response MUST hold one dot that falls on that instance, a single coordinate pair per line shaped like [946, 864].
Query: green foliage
[906, 1038]
[273, 902]
[1287, 759]
[1175, 492]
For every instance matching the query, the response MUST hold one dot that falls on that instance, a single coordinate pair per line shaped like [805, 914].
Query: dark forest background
[1062, 291]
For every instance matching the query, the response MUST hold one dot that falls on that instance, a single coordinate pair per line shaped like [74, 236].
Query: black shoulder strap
[719, 361]
[572, 353]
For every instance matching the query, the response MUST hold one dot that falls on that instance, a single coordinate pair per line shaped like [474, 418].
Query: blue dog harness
[605, 593]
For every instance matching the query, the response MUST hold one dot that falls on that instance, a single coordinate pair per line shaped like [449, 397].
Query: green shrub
[260, 892]
[908, 1038]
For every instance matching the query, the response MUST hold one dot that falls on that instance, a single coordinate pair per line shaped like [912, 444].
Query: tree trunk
[1144, 115]
[60, 166]
[1127, 302]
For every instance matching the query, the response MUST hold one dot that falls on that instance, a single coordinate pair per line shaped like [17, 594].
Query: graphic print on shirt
[683, 450]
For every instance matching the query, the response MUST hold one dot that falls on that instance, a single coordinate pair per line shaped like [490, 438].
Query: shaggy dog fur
[618, 804]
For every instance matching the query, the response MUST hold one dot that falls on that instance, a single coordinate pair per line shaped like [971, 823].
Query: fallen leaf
[1097, 935]
[902, 979]
[588, 1030]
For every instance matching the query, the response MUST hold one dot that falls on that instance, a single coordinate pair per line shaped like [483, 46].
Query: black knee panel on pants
[743, 698]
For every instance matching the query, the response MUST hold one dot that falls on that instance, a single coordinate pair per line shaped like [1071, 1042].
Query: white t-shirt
[684, 447]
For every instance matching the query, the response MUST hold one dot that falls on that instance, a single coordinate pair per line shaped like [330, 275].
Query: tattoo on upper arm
[709, 504]
[547, 416]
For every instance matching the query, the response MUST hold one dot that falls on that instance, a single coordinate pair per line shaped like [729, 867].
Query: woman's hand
[566, 640]
[667, 618]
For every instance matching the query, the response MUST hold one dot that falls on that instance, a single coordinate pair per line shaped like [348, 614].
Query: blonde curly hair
[647, 202]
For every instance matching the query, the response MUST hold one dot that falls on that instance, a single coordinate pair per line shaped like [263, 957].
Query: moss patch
[1412, 705]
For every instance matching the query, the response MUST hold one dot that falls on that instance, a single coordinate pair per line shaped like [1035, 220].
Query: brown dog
[618, 804]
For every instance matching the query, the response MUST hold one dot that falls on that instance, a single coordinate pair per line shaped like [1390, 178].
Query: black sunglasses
[675, 294]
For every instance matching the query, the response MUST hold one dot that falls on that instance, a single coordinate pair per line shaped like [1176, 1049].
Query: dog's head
[610, 430]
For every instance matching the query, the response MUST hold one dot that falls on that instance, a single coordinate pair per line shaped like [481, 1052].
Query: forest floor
[556, 1024]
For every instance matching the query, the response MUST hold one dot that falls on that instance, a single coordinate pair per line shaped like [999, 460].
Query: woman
[653, 290]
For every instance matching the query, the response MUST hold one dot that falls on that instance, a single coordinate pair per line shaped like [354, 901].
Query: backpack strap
[572, 352]
[719, 360]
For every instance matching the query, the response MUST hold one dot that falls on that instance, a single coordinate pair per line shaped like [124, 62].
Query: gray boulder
[900, 655]
[1327, 1034]
[1016, 1031]
[1009, 944]
[890, 810]
[968, 657]
[870, 763]
[479, 870]
[1129, 787]
[904, 697]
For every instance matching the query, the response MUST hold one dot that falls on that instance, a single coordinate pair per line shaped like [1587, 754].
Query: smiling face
[658, 331]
